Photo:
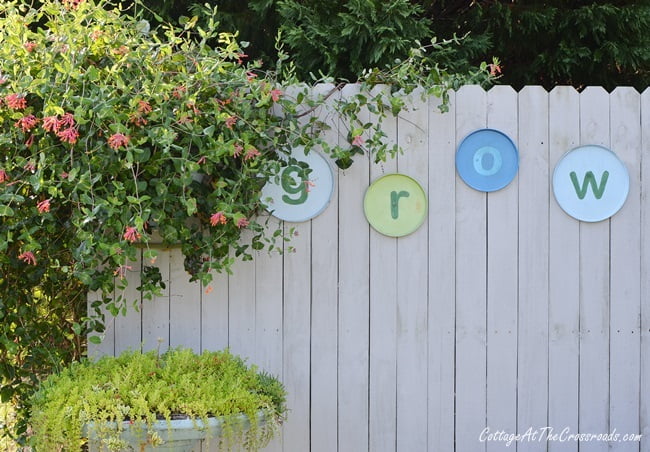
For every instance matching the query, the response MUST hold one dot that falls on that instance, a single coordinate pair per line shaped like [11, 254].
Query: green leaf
[6, 211]
[95, 340]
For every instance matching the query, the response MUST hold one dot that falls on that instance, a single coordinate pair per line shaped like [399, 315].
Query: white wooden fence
[501, 312]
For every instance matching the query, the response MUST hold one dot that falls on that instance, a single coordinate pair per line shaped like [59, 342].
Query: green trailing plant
[103, 399]
[114, 131]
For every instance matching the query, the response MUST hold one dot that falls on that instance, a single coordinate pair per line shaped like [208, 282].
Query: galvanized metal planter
[177, 435]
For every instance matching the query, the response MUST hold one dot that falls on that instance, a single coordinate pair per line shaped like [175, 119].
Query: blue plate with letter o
[487, 160]
[591, 183]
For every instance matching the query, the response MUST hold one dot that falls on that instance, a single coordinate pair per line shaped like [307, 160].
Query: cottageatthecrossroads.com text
[550, 434]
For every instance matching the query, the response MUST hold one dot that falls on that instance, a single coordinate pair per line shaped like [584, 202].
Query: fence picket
[563, 285]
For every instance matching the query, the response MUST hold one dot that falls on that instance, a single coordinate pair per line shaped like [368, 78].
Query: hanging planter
[143, 401]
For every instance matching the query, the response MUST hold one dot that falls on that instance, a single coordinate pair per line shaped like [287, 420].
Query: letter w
[589, 179]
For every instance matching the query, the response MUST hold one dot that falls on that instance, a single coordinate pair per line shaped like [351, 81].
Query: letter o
[479, 163]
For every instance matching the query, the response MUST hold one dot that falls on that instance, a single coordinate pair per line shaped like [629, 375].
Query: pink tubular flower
[15, 101]
[29, 166]
[121, 271]
[43, 206]
[3, 176]
[218, 218]
[231, 121]
[28, 258]
[495, 69]
[118, 140]
[238, 149]
[69, 135]
[250, 75]
[26, 123]
[357, 140]
[144, 107]
[131, 234]
[51, 124]
[30, 141]
[309, 185]
[67, 120]
[242, 223]
[275, 95]
[251, 153]
[30, 46]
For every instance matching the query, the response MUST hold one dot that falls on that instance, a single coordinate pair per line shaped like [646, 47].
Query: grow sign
[591, 183]
[395, 205]
[487, 160]
[296, 197]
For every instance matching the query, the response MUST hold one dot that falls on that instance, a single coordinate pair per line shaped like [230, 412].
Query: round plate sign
[591, 183]
[487, 160]
[296, 198]
[395, 205]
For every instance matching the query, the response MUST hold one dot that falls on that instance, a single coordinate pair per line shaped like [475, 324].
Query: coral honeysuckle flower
[51, 124]
[144, 107]
[28, 257]
[218, 218]
[16, 101]
[26, 123]
[67, 120]
[242, 223]
[357, 140]
[238, 149]
[43, 206]
[29, 166]
[495, 69]
[121, 271]
[251, 153]
[275, 95]
[30, 141]
[3, 176]
[309, 185]
[118, 140]
[231, 121]
[30, 46]
[131, 234]
[69, 135]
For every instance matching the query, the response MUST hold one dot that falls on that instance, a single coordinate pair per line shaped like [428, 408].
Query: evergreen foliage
[547, 42]
[554, 42]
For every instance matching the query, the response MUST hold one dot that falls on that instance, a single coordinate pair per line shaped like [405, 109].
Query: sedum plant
[134, 390]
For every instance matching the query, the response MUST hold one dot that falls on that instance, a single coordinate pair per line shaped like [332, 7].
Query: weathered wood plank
[412, 289]
[532, 385]
[442, 271]
[184, 305]
[324, 308]
[296, 337]
[471, 280]
[502, 272]
[594, 289]
[214, 313]
[644, 402]
[128, 328]
[155, 312]
[353, 304]
[563, 285]
[624, 328]
[383, 321]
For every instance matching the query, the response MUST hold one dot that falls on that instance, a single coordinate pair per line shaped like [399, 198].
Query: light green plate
[395, 205]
